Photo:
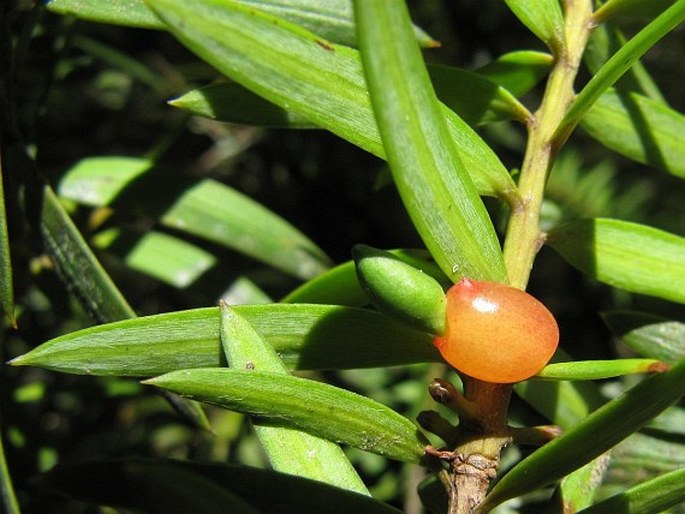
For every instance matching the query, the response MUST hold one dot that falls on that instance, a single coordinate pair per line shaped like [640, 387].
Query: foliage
[158, 157]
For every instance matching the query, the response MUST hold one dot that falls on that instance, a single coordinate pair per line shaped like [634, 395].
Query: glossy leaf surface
[331, 19]
[289, 451]
[645, 130]
[519, 71]
[655, 495]
[162, 256]
[79, 267]
[596, 434]
[543, 18]
[432, 180]
[300, 72]
[626, 255]
[305, 337]
[6, 281]
[314, 407]
[648, 335]
[476, 99]
[599, 369]
[206, 208]
[340, 286]
[619, 63]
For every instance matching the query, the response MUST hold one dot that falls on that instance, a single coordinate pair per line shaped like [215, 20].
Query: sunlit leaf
[305, 337]
[613, 8]
[596, 434]
[519, 71]
[626, 255]
[162, 256]
[76, 263]
[543, 18]
[205, 208]
[640, 128]
[618, 64]
[314, 407]
[434, 184]
[6, 281]
[473, 97]
[130, 13]
[289, 451]
[300, 72]
[648, 335]
[599, 369]
[655, 495]
[331, 19]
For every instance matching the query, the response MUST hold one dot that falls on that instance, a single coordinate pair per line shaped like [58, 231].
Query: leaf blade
[618, 64]
[314, 407]
[300, 72]
[626, 255]
[642, 129]
[434, 185]
[289, 451]
[599, 432]
[305, 336]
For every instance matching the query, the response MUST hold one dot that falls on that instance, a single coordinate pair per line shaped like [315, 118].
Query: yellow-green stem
[490, 433]
[524, 238]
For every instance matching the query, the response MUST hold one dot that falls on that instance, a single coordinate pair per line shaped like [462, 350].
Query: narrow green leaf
[6, 281]
[648, 335]
[603, 43]
[543, 18]
[206, 209]
[645, 130]
[130, 13]
[614, 8]
[289, 451]
[599, 369]
[231, 102]
[400, 290]
[647, 454]
[159, 255]
[473, 97]
[618, 64]
[626, 255]
[82, 272]
[599, 432]
[97, 181]
[578, 489]
[564, 403]
[77, 264]
[655, 495]
[9, 498]
[315, 407]
[519, 71]
[300, 72]
[101, 481]
[432, 181]
[339, 285]
[218, 213]
[244, 291]
[305, 337]
[331, 19]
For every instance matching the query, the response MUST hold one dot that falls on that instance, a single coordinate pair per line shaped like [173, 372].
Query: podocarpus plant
[358, 72]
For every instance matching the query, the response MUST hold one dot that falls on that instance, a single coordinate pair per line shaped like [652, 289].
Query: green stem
[524, 238]
[476, 456]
